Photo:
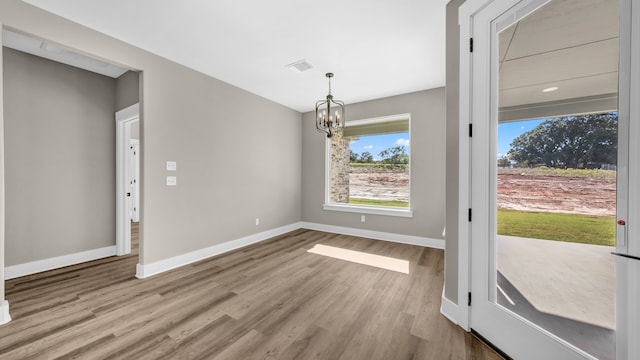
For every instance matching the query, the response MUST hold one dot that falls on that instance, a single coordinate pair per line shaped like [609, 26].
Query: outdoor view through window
[370, 163]
[556, 179]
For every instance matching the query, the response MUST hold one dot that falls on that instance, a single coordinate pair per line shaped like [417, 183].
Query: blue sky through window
[507, 132]
[511, 130]
[374, 144]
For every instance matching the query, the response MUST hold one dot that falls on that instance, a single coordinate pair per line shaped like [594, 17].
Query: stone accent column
[339, 168]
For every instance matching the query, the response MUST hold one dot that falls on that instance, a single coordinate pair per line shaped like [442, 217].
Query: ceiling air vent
[300, 66]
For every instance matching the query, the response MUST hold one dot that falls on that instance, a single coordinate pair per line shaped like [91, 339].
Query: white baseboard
[33, 267]
[449, 309]
[399, 238]
[4, 312]
[453, 312]
[146, 270]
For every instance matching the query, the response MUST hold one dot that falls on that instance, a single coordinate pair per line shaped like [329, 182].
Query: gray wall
[127, 94]
[427, 110]
[238, 155]
[453, 111]
[135, 130]
[127, 89]
[59, 158]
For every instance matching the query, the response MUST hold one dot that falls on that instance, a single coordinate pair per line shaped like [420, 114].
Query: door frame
[124, 119]
[629, 88]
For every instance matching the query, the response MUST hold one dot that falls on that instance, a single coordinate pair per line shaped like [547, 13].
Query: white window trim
[373, 210]
[366, 209]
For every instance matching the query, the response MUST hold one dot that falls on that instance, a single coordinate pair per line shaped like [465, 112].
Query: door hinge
[470, 44]
[469, 299]
[469, 214]
[470, 130]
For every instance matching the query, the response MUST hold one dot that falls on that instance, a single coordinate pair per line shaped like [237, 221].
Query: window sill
[378, 210]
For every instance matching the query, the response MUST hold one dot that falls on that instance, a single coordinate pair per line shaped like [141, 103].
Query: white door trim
[124, 119]
[465, 14]
[5, 317]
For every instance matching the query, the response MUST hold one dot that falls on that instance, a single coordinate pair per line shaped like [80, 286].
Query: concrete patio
[569, 280]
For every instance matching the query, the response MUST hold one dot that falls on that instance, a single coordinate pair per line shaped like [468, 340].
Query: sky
[376, 143]
[511, 130]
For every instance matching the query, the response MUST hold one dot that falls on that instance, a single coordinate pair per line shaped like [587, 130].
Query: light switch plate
[172, 166]
[172, 180]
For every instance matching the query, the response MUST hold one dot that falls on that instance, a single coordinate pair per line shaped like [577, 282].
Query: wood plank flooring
[272, 300]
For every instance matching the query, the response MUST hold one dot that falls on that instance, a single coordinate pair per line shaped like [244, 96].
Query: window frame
[367, 209]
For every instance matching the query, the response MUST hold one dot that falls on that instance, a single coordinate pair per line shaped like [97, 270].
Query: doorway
[127, 177]
[501, 75]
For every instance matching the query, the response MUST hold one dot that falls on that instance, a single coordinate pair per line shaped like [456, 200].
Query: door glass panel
[556, 178]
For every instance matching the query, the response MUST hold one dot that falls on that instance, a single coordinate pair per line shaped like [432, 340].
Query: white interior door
[134, 184]
[515, 334]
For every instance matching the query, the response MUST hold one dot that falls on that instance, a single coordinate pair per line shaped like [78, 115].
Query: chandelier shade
[330, 113]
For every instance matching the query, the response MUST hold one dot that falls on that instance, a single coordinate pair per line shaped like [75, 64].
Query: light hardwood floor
[272, 300]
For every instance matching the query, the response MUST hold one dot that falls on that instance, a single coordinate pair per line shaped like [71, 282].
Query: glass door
[544, 183]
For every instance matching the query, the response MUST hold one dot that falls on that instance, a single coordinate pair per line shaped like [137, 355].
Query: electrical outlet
[257, 221]
[362, 218]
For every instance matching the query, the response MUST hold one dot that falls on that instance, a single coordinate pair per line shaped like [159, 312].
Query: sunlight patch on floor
[379, 261]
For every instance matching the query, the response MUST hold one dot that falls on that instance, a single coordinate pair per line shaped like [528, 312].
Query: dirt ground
[557, 194]
[379, 185]
[529, 193]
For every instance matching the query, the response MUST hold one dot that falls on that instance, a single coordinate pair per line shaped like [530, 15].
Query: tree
[394, 155]
[353, 157]
[587, 141]
[504, 162]
[366, 157]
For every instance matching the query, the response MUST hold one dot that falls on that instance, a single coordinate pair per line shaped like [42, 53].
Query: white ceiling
[375, 48]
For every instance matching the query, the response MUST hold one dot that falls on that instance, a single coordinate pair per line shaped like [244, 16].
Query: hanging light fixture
[326, 122]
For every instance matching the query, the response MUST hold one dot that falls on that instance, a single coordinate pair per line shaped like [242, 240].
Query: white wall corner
[398, 238]
[4, 312]
[147, 270]
[34, 267]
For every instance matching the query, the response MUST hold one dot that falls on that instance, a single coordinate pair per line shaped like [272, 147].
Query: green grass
[597, 230]
[394, 203]
[546, 171]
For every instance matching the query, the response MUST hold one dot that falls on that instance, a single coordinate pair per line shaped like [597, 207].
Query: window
[368, 167]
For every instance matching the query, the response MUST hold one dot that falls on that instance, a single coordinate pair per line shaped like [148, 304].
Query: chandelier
[326, 122]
